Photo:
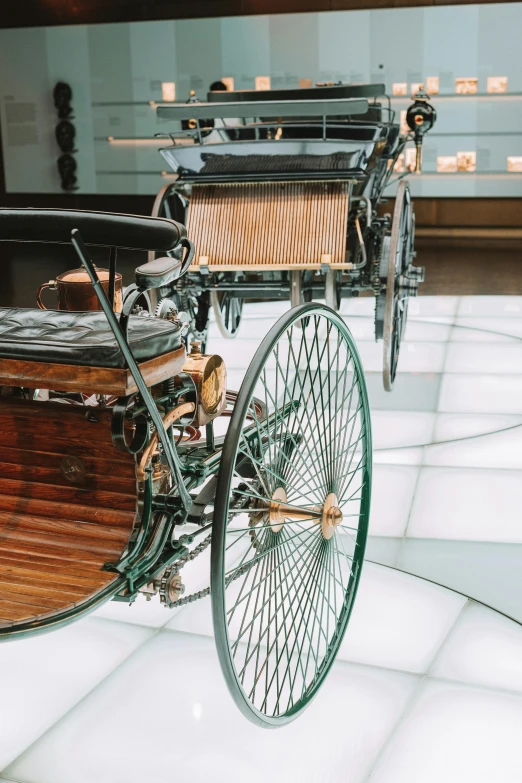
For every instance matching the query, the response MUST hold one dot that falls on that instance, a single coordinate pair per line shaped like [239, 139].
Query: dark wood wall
[32, 13]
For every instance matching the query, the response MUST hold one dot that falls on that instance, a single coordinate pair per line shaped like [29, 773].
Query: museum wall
[117, 70]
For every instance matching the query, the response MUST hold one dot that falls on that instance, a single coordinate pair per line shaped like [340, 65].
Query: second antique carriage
[296, 178]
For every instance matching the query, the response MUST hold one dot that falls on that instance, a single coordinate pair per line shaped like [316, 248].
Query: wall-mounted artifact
[497, 84]
[168, 92]
[75, 292]
[466, 86]
[399, 88]
[432, 85]
[67, 169]
[305, 84]
[262, 82]
[446, 164]
[65, 134]
[62, 95]
[514, 163]
[467, 161]
[416, 87]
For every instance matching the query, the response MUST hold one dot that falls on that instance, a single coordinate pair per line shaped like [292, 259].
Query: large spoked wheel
[227, 308]
[397, 257]
[168, 204]
[291, 515]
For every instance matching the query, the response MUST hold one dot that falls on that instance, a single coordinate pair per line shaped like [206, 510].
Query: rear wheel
[396, 258]
[227, 307]
[291, 515]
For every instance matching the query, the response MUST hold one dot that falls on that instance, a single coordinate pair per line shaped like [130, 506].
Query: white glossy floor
[428, 684]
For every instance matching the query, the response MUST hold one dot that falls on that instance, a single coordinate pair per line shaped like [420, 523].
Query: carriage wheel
[291, 515]
[227, 309]
[166, 204]
[399, 249]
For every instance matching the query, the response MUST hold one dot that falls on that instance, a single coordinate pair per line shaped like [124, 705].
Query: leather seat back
[107, 229]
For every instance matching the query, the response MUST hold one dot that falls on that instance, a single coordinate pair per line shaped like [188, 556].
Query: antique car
[124, 459]
[296, 177]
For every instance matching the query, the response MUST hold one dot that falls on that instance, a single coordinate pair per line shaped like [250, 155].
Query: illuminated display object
[446, 164]
[497, 84]
[399, 164]
[417, 87]
[514, 163]
[399, 88]
[228, 81]
[466, 86]
[466, 161]
[262, 82]
[432, 85]
[168, 92]
[410, 159]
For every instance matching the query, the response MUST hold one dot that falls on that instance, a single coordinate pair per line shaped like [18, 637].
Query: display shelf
[468, 174]
[435, 135]
[405, 98]
[467, 96]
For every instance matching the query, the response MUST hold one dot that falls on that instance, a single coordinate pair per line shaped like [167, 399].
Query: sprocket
[171, 588]
[166, 308]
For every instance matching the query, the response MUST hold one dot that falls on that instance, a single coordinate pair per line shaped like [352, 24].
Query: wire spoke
[284, 600]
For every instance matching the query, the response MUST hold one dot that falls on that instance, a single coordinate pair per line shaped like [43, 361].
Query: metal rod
[146, 396]
[112, 274]
[368, 207]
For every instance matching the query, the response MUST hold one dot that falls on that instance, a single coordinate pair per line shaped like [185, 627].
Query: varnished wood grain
[92, 380]
[55, 537]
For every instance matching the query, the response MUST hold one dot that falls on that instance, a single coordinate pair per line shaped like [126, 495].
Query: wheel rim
[227, 310]
[163, 207]
[284, 570]
[395, 306]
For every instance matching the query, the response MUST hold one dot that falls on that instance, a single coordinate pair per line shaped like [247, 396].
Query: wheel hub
[276, 513]
[329, 516]
[332, 516]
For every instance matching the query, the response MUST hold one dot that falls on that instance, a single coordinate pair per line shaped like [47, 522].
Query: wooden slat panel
[69, 494]
[54, 476]
[16, 505]
[48, 595]
[46, 564]
[42, 577]
[59, 529]
[12, 611]
[55, 537]
[270, 225]
[88, 557]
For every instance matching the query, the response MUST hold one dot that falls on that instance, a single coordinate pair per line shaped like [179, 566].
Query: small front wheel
[291, 514]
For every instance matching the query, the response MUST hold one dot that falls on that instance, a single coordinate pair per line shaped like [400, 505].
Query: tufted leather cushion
[63, 337]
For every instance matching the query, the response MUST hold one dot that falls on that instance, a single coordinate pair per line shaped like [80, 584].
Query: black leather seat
[84, 339]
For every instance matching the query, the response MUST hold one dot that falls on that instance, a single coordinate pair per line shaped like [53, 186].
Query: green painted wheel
[291, 515]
